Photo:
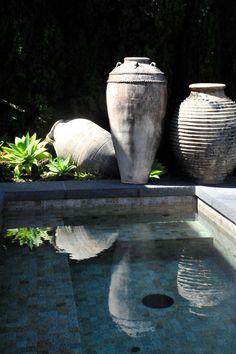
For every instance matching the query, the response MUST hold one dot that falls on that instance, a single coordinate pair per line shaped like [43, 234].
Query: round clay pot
[89, 146]
[136, 104]
[203, 133]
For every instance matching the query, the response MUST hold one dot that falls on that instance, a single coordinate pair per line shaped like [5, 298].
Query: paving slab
[221, 198]
[91, 189]
[33, 191]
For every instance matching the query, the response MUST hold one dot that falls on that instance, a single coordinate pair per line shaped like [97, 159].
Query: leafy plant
[82, 175]
[61, 167]
[27, 152]
[157, 170]
[32, 237]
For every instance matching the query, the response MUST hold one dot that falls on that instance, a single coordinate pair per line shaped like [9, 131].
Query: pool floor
[82, 290]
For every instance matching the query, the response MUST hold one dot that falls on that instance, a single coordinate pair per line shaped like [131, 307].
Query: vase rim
[144, 60]
[207, 86]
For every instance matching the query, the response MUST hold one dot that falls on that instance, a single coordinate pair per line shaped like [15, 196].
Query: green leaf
[17, 171]
[33, 138]
[28, 168]
[157, 170]
[7, 149]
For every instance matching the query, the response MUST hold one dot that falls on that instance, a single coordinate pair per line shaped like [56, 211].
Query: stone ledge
[90, 189]
[222, 198]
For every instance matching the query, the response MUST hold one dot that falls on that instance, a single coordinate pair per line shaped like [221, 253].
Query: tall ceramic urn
[203, 133]
[136, 104]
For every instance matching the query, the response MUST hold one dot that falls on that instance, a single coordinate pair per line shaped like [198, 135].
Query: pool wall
[141, 205]
[112, 196]
[223, 230]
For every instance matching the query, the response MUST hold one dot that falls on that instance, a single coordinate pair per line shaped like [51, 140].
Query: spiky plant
[25, 153]
[59, 166]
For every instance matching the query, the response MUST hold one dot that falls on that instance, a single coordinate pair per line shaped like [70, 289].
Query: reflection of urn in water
[131, 281]
[84, 241]
[124, 300]
[202, 282]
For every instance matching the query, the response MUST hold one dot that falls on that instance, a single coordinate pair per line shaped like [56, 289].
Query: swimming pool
[84, 288]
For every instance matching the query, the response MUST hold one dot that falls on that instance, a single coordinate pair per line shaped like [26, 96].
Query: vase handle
[118, 64]
[153, 63]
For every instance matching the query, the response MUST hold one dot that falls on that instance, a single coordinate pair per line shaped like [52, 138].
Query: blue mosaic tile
[50, 304]
[31, 316]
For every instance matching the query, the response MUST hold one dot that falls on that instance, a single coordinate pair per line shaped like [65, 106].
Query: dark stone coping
[90, 189]
[220, 197]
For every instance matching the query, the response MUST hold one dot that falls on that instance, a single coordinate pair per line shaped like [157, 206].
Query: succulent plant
[25, 153]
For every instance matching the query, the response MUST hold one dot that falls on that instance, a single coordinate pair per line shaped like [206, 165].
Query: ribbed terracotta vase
[203, 133]
[136, 104]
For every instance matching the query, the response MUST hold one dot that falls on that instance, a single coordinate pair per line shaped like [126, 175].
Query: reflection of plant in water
[33, 236]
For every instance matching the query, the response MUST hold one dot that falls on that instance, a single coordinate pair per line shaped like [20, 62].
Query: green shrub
[27, 152]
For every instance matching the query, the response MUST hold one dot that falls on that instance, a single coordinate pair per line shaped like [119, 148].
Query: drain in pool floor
[157, 301]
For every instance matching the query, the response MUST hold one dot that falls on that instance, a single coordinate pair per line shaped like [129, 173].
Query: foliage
[32, 237]
[24, 154]
[82, 175]
[61, 167]
[51, 67]
[157, 170]
[28, 159]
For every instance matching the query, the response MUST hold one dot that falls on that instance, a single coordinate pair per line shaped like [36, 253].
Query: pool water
[79, 286]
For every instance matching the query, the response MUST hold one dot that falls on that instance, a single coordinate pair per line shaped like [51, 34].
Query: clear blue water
[87, 296]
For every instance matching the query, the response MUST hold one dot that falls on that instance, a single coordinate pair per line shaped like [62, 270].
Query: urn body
[203, 133]
[136, 103]
[88, 145]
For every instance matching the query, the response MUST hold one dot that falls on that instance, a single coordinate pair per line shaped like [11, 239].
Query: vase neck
[208, 89]
[143, 60]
